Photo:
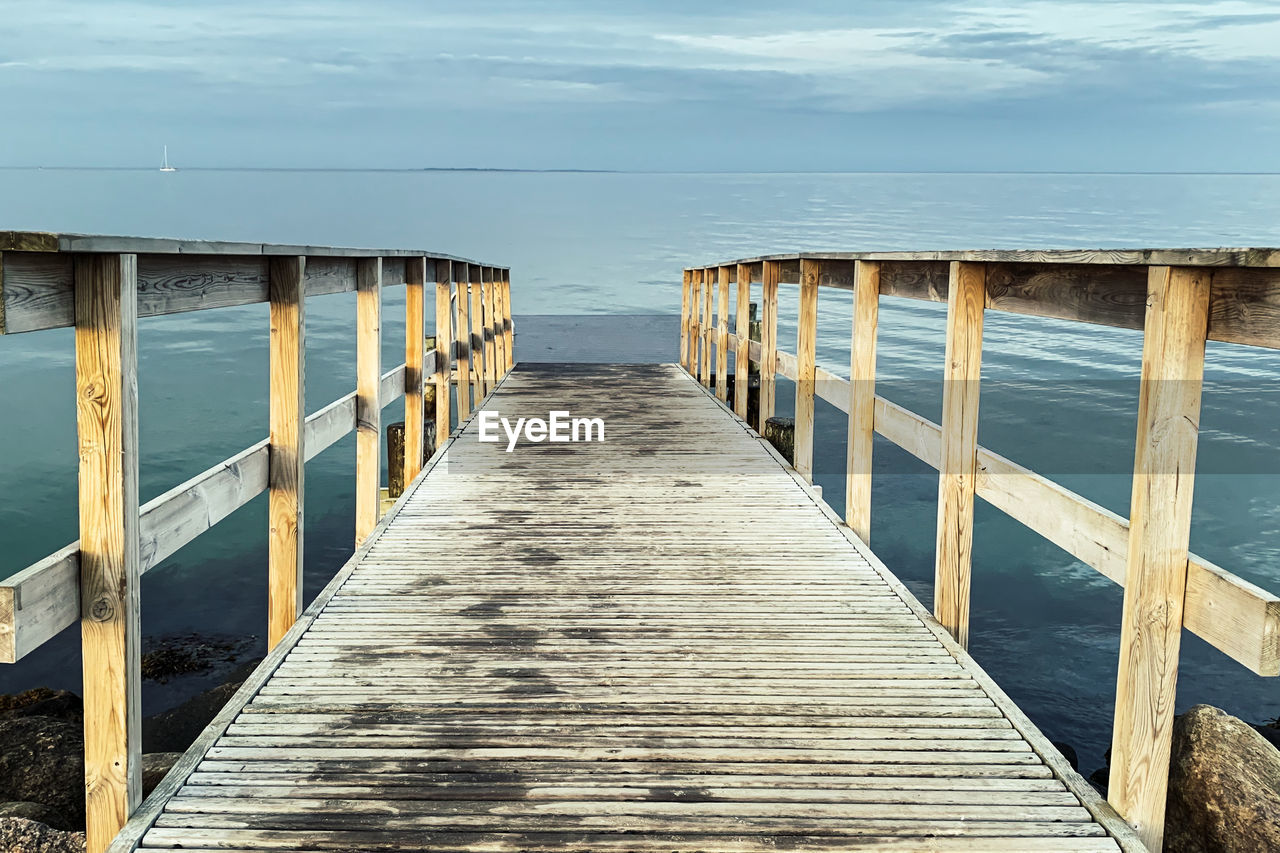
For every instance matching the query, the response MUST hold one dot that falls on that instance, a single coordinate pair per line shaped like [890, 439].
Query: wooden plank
[806, 348]
[1159, 532]
[287, 451]
[769, 276]
[722, 336]
[479, 356]
[742, 365]
[685, 302]
[368, 396]
[415, 345]
[444, 346]
[962, 371]
[110, 577]
[463, 325]
[862, 398]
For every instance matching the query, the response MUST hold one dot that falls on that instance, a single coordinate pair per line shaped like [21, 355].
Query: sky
[698, 85]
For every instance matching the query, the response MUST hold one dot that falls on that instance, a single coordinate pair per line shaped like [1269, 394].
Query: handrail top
[1207, 257]
[45, 241]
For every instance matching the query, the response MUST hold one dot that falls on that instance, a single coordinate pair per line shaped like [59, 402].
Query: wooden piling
[862, 397]
[444, 348]
[509, 323]
[476, 289]
[490, 330]
[771, 274]
[287, 412]
[722, 335]
[415, 333]
[708, 292]
[742, 363]
[806, 366]
[368, 394]
[686, 285]
[106, 319]
[462, 274]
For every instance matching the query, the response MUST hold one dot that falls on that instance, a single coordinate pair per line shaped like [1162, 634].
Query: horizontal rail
[44, 598]
[37, 292]
[1236, 617]
[1108, 290]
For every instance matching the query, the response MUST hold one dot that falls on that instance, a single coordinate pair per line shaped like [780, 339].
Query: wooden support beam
[966, 300]
[106, 317]
[695, 319]
[490, 330]
[862, 398]
[742, 364]
[806, 353]
[769, 275]
[708, 294]
[368, 395]
[722, 336]
[1159, 533]
[444, 348]
[685, 300]
[500, 325]
[509, 327]
[286, 483]
[415, 354]
[478, 355]
[462, 275]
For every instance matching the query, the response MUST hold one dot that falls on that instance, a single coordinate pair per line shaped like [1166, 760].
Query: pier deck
[661, 642]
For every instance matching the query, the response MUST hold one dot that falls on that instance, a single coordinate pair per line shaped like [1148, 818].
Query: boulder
[154, 767]
[1224, 786]
[42, 761]
[30, 811]
[176, 729]
[43, 702]
[19, 835]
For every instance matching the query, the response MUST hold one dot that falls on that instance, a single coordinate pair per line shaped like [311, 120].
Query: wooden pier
[665, 641]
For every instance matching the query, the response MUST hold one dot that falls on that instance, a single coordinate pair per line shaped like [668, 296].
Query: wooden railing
[1180, 298]
[101, 286]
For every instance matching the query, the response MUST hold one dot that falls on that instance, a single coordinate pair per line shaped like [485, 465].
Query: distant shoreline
[503, 169]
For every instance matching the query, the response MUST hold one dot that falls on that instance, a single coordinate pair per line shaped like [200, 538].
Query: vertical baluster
[462, 275]
[770, 274]
[966, 300]
[444, 348]
[1159, 533]
[286, 469]
[742, 362]
[415, 342]
[106, 313]
[862, 397]
[806, 365]
[368, 394]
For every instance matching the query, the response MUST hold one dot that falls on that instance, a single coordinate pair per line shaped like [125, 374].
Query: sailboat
[165, 167]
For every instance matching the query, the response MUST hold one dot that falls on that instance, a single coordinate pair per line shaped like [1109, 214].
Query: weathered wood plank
[110, 576]
[1159, 533]
[287, 453]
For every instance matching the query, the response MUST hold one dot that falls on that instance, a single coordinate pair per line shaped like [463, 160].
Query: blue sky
[742, 85]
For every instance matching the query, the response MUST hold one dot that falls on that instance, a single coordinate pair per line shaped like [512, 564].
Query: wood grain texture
[509, 329]
[1159, 532]
[110, 576]
[695, 321]
[500, 324]
[489, 330]
[769, 277]
[722, 335]
[463, 325]
[480, 387]
[806, 353]
[708, 296]
[368, 395]
[287, 454]
[962, 372]
[685, 321]
[794, 691]
[862, 398]
[415, 355]
[742, 362]
[444, 348]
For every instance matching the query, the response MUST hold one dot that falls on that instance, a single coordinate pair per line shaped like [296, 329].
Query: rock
[186, 653]
[154, 767]
[29, 811]
[176, 729]
[1224, 786]
[42, 761]
[1069, 753]
[1270, 733]
[19, 835]
[43, 702]
[781, 433]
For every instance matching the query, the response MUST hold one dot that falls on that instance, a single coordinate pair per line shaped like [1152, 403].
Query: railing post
[806, 365]
[742, 364]
[1159, 534]
[508, 329]
[368, 394]
[463, 278]
[444, 348]
[722, 336]
[499, 325]
[477, 335]
[490, 332]
[704, 372]
[966, 301]
[862, 397]
[695, 321]
[106, 313]
[684, 319]
[286, 481]
[415, 342]
[770, 274]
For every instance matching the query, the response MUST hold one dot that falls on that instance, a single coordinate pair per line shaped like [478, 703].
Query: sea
[596, 262]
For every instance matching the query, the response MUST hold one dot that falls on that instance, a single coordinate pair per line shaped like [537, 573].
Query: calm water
[1060, 398]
